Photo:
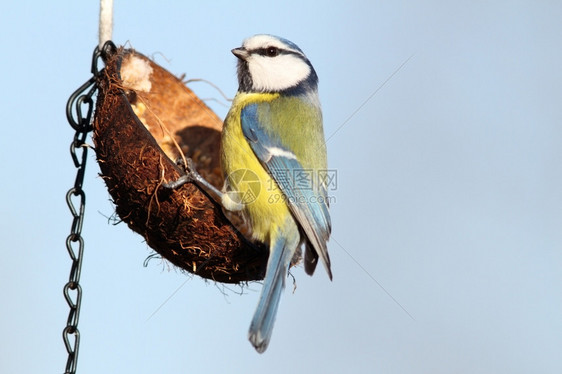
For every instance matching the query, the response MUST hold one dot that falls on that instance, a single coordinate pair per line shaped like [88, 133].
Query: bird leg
[191, 175]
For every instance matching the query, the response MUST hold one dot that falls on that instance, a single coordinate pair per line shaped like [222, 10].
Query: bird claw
[190, 175]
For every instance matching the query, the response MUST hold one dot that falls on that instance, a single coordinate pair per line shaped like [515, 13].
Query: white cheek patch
[277, 73]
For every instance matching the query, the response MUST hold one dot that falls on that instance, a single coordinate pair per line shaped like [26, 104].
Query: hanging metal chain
[79, 109]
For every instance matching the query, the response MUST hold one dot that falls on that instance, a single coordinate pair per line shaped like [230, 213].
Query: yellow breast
[246, 180]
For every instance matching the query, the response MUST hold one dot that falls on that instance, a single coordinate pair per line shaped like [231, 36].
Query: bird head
[268, 63]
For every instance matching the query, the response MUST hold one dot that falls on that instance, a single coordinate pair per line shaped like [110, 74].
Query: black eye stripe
[272, 51]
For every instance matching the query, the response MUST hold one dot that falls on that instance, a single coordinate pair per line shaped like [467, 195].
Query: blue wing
[307, 203]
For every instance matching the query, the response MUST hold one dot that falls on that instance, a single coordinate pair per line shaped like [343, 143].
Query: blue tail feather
[280, 256]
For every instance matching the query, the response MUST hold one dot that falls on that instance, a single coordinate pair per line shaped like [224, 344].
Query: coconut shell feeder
[145, 120]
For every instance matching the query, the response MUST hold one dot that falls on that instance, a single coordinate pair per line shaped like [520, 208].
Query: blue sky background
[449, 193]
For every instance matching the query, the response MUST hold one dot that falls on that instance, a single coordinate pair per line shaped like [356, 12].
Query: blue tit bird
[273, 156]
[274, 131]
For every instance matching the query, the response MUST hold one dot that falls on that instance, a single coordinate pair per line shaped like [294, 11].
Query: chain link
[79, 110]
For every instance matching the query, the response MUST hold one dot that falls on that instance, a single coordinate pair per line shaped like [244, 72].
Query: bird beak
[241, 53]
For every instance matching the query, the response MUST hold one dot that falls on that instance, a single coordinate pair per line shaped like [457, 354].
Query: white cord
[106, 21]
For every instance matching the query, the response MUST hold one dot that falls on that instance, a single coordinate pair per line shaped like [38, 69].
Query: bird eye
[271, 51]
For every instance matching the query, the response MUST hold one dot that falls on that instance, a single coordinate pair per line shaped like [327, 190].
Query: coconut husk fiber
[145, 120]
